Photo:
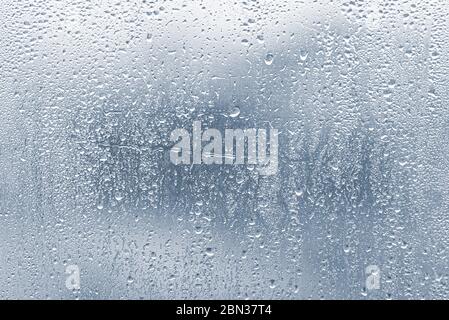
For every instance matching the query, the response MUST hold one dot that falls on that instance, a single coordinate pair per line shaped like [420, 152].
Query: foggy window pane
[237, 150]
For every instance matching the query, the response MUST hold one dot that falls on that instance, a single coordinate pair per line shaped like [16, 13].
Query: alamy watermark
[372, 281]
[72, 282]
[260, 152]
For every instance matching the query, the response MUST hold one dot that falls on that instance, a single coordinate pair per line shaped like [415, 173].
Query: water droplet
[209, 252]
[269, 59]
[235, 112]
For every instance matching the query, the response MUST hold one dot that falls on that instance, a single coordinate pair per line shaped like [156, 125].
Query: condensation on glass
[91, 206]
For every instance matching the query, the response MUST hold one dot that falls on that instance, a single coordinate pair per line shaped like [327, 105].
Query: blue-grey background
[90, 91]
